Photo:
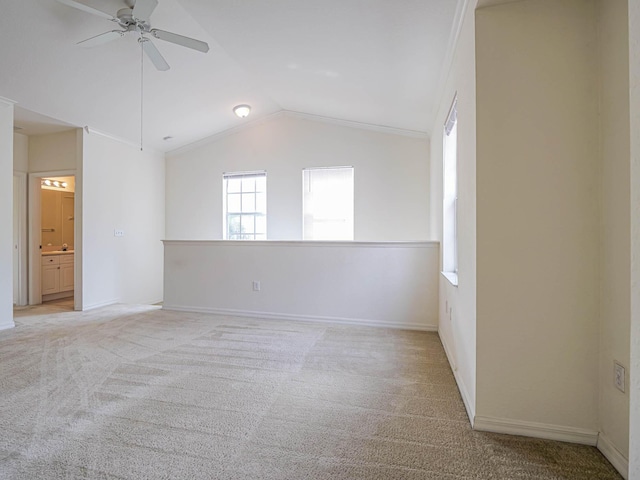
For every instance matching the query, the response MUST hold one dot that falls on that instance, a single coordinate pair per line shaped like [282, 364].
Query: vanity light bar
[53, 183]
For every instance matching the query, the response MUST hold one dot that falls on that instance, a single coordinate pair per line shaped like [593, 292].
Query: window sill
[452, 277]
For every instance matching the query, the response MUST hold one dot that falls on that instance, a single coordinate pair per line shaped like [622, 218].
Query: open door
[20, 297]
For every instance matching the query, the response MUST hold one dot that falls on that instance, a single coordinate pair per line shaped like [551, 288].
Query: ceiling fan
[135, 18]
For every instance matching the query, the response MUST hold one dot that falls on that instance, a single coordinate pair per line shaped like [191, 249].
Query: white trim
[545, 431]
[461, 10]
[617, 459]
[99, 305]
[464, 393]
[23, 244]
[225, 133]
[7, 326]
[303, 318]
[452, 277]
[7, 102]
[362, 126]
[92, 131]
[35, 214]
[290, 114]
[300, 243]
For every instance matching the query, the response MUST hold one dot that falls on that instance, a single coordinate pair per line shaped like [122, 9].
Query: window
[450, 196]
[245, 206]
[327, 203]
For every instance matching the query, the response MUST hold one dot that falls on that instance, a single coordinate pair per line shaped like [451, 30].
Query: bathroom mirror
[57, 217]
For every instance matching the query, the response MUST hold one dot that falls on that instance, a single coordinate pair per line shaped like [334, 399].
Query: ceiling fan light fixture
[242, 111]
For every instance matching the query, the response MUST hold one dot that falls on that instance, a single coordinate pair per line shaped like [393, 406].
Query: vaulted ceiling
[377, 62]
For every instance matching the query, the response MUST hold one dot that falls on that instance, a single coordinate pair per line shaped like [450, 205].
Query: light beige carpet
[142, 393]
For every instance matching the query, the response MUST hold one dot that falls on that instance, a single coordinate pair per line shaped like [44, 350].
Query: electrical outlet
[618, 376]
[256, 285]
[118, 233]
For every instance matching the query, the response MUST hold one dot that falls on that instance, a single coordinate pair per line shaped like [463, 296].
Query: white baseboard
[538, 430]
[303, 318]
[6, 326]
[617, 459]
[98, 305]
[464, 393]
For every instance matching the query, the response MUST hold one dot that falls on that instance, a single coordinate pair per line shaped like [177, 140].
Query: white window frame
[450, 194]
[255, 214]
[309, 222]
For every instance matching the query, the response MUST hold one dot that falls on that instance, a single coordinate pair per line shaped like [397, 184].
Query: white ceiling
[371, 61]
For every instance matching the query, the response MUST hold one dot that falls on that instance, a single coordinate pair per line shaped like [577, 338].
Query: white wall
[56, 151]
[615, 304]
[6, 214]
[384, 284]
[457, 312]
[391, 178]
[538, 218]
[634, 78]
[122, 189]
[20, 153]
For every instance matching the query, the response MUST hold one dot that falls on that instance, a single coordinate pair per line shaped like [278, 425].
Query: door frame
[35, 235]
[20, 238]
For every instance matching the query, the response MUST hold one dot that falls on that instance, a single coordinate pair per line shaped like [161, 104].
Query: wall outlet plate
[619, 376]
[255, 285]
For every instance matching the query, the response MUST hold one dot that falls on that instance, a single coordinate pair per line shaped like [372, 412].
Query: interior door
[20, 248]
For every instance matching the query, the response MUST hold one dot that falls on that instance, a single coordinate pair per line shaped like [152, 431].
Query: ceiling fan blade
[86, 8]
[180, 40]
[143, 9]
[102, 38]
[154, 55]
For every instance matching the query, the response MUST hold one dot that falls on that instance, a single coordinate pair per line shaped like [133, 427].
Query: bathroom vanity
[57, 274]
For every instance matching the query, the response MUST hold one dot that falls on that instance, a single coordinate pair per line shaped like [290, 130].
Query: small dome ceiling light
[242, 110]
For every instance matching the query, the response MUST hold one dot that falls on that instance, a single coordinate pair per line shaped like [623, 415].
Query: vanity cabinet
[57, 273]
[50, 275]
[66, 273]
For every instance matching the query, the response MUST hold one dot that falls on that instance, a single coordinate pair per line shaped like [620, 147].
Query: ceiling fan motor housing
[127, 20]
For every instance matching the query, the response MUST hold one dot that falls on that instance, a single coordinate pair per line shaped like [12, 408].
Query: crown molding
[92, 131]
[225, 133]
[291, 114]
[359, 125]
[461, 11]
[7, 102]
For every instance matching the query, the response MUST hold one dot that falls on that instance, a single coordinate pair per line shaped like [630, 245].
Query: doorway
[54, 253]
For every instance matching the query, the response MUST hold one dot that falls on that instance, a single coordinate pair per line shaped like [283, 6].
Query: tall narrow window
[245, 205]
[450, 196]
[327, 203]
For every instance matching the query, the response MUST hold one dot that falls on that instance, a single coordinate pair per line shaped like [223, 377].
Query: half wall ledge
[387, 284]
